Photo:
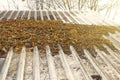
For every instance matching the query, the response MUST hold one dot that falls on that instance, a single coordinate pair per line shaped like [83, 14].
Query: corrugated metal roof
[45, 66]
[79, 17]
[40, 66]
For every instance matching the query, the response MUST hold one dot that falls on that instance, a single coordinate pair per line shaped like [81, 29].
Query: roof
[35, 66]
[27, 65]
[79, 17]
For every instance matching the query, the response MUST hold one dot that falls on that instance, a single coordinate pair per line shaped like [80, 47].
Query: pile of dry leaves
[16, 33]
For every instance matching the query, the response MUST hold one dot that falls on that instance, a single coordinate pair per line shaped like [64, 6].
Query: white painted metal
[105, 20]
[39, 15]
[98, 18]
[10, 15]
[111, 52]
[17, 14]
[47, 14]
[75, 18]
[77, 58]
[4, 14]
[67, 17]
[111, 62]
[36, 64]
[53, 15]
[41, 12]
[83, 18]
[20, 71]
[94, 63]
[93, 18]
[60, 16]
[29, 14]
[23, 14]
[100, 53]
[6, 65]
[89, 18]
[110, 34]
[65, 65]
[51, 65]
[35, 15]
[114, 42]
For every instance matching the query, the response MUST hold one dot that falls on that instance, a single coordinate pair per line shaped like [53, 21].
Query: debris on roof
[30, 33]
